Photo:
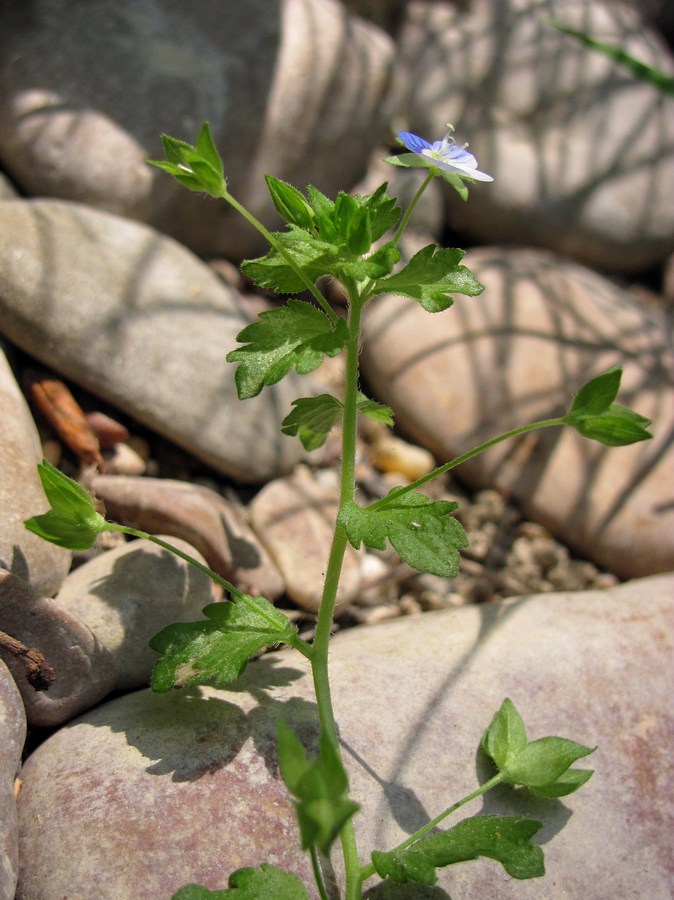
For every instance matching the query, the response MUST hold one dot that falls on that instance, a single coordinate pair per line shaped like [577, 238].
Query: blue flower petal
[413, 142]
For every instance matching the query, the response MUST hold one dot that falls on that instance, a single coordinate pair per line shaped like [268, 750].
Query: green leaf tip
[72, 521]
[542, 765]
[594, 415]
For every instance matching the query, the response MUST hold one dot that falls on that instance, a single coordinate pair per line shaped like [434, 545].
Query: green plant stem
[524, 429]
[295, 641]
[268, 236]
[318, 874]
[410, 209]
[369, 870]
[319, 663]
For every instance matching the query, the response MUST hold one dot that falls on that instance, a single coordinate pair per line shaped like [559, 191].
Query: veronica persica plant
[354, 239]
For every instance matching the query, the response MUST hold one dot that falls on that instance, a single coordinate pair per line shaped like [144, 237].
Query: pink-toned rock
[127, 595]
[517, 354]
[294, 518]
[21, 494]
[200, 516]
[13, 730]
[115, 799]
[84, 670]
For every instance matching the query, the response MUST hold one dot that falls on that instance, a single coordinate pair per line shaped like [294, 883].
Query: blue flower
[445, 155]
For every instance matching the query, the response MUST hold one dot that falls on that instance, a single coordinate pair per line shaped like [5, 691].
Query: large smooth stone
[139, 321]
[517, 354]
[199, 515]
[148, 792]
[297, 88]
[582, 152]
[21, 496]
[127, 595]
[13, 729]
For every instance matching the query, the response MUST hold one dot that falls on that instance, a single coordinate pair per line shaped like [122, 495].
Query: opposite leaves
[594, 414]
[421, 531]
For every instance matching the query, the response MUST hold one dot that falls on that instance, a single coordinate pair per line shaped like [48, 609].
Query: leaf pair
[199, 168]
[320, 788]
[594, 414]
[543, 765]
[312, 418]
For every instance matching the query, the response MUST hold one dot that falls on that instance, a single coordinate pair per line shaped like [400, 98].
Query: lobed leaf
[312, 418]
[421, 531]
[430, 277]
[315, 257]
[506, 839]
[216, 650]
[266, 883]
[298, 335]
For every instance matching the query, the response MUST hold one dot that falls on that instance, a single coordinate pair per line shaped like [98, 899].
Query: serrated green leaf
[289, 203]
[421, 531]
[315, 257]
[72, 521]
[506, 734]
[506, 839]
[319, 788]
[217, 649]
[297, 335]
[430, 277]
[312, 418]
[384, 211]
[375, 411]
[266, 883]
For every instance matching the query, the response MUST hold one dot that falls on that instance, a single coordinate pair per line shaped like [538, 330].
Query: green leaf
[72, 521]
[542, 765]
[217, 649]
[594, 415]
[312, 418]
[266, 883]
[199, 168]
[315, 257]
[298, 335]
[319, 788]
[421, 531]
[506, 839]
[430, 277]
[289, 203]
[661, 80]
[375, 411]
[598, 394]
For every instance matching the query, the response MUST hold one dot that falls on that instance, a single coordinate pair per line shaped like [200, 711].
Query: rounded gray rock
[517, 354]
[135, 782]
[582, 152]
[42, 564]
[13, 729]
[297, 88]
[139, 321]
